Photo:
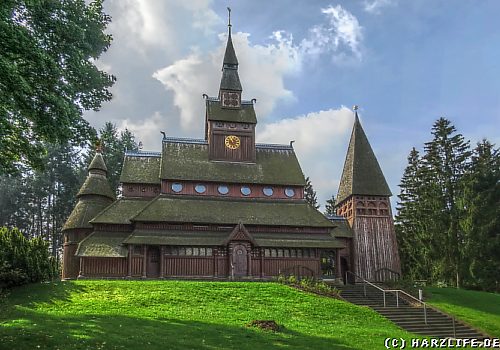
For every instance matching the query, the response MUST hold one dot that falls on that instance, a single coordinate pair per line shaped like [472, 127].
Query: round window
[223, 189]
[289, 192]
[200, 188]
[245, 190]
[268, 191]
[176, 187]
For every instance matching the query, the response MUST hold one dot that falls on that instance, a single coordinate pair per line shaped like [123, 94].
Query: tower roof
[362, 174]
[230, 55]
[98, 163]
[230, 79]
[94, 195]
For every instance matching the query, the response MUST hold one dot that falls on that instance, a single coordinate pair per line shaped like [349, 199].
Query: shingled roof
[188, 160]
[104, 244]
[94, 195]
[121, 211]
[362, 174]
[168, 208]
[244, 114]
[141, 167]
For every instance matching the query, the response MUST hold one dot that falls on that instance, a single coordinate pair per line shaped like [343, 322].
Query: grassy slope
[479, 309]
[183, 315]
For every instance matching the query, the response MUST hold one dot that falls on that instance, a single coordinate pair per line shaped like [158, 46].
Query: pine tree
[330, 206]
[481, 221]
[310, 194]
[446, 161]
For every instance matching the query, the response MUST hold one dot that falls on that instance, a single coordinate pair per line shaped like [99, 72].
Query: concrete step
[407, 316]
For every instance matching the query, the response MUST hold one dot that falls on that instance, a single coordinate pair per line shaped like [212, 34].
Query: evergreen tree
[330, 206]
[445, 162]
[481, 220]
[310, 194]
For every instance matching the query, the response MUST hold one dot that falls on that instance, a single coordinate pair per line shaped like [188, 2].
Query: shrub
[24, 260]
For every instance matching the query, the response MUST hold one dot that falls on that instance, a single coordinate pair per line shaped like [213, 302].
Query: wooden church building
[227, 207]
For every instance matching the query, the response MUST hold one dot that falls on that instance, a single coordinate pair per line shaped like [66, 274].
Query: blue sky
[405, 63]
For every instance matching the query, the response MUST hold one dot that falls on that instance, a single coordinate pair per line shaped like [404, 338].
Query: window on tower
[230, 99]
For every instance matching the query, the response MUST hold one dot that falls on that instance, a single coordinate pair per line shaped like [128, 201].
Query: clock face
[232, 142]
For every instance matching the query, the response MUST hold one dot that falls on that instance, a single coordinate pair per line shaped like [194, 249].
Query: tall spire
[362, 174]
[230, 79]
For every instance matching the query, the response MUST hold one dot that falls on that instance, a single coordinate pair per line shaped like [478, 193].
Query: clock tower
[230, 121]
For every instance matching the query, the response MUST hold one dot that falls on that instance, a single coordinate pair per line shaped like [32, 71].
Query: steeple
[230, 86]
[94, 195]
[362, 174]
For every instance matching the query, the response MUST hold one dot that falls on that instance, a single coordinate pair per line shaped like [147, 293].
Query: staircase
[408, 313]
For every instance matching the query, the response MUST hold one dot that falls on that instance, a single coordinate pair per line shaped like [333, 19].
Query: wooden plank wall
[375, 245]
[189, 266]
[274, 266]
[137, 266]
[105, 267]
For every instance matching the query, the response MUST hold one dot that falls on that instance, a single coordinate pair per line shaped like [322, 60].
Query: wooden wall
[217, 150]
[234, 190]
[197, 266]
[375, 246]
[140, 190]
[103, 267]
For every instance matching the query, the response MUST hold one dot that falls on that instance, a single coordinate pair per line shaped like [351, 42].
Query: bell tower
[230, 121]
[363, 199]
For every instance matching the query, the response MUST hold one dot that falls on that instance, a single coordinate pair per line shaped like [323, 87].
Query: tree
[445, 163]
[48, 76]
[330, 206]
[413, 240]
[481, 220]
[310, 194]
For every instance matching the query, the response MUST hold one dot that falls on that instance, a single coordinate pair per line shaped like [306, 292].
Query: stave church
[225, 207]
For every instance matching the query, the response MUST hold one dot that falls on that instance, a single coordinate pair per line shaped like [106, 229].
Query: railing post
[346, 277]
[454, 328]
[384, 298]
[425, 314]
[397, 298]
[364, 288]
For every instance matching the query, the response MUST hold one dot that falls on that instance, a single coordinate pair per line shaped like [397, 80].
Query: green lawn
[479, 309]
[183, 315]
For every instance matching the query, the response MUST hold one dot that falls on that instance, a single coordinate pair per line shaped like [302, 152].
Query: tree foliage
[310, 194]
[24, 260]
[48, 76]
[446, 203]
[330, 206]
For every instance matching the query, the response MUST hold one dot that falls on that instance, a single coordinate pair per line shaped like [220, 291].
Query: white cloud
[320, 144]
[262, 69]
[145, 130]
[375, 6]
[342, 31]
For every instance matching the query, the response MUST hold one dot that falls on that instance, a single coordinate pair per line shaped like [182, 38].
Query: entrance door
[240, 261]
[153, 267]
[344, 267]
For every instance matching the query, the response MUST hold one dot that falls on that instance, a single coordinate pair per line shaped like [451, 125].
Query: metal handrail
[397, 291]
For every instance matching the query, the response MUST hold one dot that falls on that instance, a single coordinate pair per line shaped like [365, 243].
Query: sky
[307, 62]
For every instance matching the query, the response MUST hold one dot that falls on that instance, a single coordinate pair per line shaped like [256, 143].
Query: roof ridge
[186, 140]
[140, 153]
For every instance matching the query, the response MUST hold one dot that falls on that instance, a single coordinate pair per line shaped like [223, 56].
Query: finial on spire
[229, 19]
[98, 146]
[355, 107]
[355, 110]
